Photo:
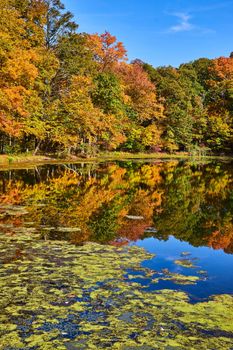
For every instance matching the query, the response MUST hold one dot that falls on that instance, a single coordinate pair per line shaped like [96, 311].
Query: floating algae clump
[184, 262]
[58, 296]
[181, 279]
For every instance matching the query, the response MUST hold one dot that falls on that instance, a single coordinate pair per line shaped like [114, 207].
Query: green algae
[202, 272]
[58, 296]
[181, 279]
[184, 263]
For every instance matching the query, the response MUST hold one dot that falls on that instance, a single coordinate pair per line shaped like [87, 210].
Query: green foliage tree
[58, 22]
[108, 94]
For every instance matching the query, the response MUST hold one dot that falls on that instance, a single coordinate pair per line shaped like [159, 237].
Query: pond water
[118, 255]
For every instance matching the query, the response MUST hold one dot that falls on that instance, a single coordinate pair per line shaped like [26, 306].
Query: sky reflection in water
[217, 264]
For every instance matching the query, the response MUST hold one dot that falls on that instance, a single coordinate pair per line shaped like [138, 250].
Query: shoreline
[16, 161]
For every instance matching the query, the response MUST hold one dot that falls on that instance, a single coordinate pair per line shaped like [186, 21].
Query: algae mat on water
[55, 295]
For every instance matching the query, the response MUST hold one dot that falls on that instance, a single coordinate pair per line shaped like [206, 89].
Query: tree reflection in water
[119, 202]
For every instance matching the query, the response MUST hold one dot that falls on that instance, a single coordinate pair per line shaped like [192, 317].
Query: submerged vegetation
[66, 92]
[59, 296]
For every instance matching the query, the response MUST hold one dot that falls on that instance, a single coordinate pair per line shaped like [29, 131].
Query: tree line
[67, 92]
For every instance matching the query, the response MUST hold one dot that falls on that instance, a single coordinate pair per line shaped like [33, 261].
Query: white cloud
[184, 24]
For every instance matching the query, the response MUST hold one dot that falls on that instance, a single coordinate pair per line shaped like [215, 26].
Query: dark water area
[72, 270]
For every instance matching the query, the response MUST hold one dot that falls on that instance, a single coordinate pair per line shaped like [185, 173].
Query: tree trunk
[37, 148]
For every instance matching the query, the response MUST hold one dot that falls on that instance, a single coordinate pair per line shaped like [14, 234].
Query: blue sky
[161, 32]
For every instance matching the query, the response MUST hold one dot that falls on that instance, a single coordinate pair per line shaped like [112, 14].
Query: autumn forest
[67, 92]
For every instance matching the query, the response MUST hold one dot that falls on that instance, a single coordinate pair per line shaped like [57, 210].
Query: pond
[117, 255]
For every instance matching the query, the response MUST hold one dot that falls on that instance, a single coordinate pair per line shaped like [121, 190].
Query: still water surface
[181, 212]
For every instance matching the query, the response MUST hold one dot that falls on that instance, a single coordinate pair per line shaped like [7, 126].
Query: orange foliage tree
[107, 50]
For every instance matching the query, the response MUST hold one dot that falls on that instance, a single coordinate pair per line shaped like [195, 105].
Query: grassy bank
[25, 160]
[14, 160]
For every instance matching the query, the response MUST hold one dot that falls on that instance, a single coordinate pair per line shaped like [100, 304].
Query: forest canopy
[63, 91]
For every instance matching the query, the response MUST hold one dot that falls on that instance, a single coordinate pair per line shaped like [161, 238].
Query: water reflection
[121, 202]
